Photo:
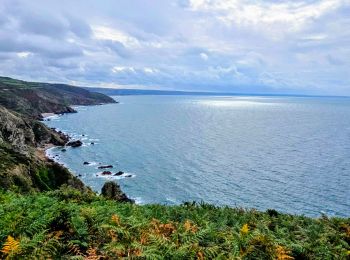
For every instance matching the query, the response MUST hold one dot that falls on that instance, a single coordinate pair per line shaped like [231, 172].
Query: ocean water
[287, 153]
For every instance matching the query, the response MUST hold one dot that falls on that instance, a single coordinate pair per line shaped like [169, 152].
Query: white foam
[115, 177]
[93, 163]
[138, 200]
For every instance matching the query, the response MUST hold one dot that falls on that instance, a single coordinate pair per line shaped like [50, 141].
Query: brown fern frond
[164, 230]
[200, 256]
[115, 219]
[190, 227]
[75, 250]
[11, 246]
[92, 254]
[283, 254]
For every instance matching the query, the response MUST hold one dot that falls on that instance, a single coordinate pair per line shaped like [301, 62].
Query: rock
[119, 173]
[106, 173]
[128, 176]
[92, 143]
[64, 150]
[86, 163]
[105, 166]
[74, 144]
[79, 175]
[111, 190]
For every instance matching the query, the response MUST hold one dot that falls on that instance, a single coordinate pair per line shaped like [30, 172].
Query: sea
[286, 153]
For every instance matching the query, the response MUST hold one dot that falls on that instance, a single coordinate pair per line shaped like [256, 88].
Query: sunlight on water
[233, 103]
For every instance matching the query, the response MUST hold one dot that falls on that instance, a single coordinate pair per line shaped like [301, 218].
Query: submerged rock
[64, 150]
[111, 190]
[86, 163]
[105, 166]
[128, 176]
[76, 143]
[106, 173]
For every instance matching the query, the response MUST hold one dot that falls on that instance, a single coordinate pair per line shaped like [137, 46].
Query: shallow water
[287, 153]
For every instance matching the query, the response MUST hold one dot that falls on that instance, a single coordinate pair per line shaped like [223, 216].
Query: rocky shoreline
[110, 189]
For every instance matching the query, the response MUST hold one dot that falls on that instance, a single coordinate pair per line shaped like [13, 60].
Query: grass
[66, 224]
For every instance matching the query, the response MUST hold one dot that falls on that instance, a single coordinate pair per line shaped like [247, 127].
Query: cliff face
[15, 131]
[32, 98]
[22, 166]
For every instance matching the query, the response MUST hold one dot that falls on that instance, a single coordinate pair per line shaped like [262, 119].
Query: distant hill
[129, 92]
[33, 98]
[126, 92]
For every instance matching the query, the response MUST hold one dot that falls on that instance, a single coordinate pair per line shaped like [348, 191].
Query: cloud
[217, 45]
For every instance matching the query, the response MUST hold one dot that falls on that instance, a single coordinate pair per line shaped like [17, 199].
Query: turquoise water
[287, 153]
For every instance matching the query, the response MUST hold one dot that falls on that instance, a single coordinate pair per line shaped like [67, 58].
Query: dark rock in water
[119, 173]
[272, 212]
[111, 190]
[106, 173]
[128, 176]
[79, 175]
[92, 143]
[64, 150]
[76, 143]
[50, 160]
[82, 135]
[105, 166]
[86, 163]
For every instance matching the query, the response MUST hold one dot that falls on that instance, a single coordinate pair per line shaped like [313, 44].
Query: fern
[11, 246]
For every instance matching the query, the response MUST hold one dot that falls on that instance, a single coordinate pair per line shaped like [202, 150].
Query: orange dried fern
[11, 246]
[283, 253]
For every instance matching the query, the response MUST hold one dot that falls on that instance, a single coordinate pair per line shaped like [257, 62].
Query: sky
[248, 46]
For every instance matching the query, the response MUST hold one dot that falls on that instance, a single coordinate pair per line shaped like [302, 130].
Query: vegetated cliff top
[34, 98]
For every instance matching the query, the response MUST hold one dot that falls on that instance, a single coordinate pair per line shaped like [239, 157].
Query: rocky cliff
[23, 165]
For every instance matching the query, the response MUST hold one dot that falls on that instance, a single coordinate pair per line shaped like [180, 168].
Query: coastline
[43, 152]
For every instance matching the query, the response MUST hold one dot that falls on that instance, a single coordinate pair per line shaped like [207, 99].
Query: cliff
[23, 165]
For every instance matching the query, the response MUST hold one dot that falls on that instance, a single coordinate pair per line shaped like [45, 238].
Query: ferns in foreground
[64, 224]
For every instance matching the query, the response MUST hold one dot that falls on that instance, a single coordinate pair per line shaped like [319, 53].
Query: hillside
[33, 98]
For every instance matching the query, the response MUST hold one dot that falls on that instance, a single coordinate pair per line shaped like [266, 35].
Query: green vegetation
[68, 224]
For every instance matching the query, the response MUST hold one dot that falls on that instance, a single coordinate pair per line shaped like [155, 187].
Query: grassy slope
[66, 224]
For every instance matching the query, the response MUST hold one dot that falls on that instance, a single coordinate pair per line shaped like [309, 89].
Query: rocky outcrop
[23, 134]
[16, 131]
[74, 144]
[105, 166]
[111, 190]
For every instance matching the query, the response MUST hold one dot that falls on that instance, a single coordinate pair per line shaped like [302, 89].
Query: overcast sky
[216, 45]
